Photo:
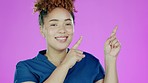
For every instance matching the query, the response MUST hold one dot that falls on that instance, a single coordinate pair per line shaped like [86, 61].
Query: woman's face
[58, 29]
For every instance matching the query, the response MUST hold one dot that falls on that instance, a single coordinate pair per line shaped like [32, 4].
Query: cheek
[52, 31]
[70, 31]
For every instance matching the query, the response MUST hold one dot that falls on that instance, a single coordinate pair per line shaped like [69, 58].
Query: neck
[57, 55]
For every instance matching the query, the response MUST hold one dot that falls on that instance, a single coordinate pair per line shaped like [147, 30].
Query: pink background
[20, 38]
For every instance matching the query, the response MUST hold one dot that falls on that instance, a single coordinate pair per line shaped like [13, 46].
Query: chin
[60, 43]
[62, 47]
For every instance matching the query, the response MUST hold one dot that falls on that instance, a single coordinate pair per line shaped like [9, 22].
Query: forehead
[59, 13]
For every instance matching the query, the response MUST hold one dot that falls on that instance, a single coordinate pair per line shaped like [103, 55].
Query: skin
[112, 48]
[59, 23]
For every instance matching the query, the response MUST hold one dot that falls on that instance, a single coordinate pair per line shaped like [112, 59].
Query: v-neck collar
[41, 56]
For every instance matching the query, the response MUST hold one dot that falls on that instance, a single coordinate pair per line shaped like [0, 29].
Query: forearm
[58, 75]
[111, 70]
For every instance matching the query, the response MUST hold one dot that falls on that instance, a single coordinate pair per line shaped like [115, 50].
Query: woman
[58, 64]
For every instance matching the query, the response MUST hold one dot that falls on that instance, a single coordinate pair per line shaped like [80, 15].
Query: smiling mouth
[61, 39]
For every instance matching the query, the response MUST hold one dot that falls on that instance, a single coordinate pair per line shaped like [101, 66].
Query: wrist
[110, 60]
[110, 57]
[65, 65]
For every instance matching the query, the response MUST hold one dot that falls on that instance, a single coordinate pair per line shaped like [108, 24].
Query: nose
[62, 30]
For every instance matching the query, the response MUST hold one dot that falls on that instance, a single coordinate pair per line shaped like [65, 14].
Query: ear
[42, 31]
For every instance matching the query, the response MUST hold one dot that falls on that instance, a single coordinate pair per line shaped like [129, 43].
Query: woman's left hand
[112, 45]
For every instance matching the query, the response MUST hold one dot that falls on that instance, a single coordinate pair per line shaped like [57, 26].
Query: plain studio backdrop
[20, 38]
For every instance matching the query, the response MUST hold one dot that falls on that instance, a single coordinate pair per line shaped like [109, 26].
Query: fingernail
[83, 55]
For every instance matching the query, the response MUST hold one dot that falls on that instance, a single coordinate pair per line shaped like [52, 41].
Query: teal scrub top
[39, 68]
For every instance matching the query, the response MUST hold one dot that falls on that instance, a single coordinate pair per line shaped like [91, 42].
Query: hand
[112, 45]
[74, 55]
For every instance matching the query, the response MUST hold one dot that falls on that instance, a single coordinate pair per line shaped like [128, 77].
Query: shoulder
[26, 62]
[24, 72]
[90, 58]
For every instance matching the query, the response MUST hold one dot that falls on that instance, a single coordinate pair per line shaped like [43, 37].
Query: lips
[61, 39]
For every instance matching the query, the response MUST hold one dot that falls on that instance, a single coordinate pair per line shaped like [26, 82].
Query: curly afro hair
[46, 6]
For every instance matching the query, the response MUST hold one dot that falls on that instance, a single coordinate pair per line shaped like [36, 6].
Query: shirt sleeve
[100, 73]
[23, 74]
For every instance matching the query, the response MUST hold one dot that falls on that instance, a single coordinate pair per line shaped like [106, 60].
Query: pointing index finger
[77, 43]
[115, 30]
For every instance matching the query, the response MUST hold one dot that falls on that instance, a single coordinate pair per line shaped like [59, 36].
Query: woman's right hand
[74, 55]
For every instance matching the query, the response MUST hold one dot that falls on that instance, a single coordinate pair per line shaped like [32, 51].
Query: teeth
[61, 39]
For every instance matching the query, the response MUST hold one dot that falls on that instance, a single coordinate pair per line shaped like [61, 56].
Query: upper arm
[100, 73]
[23, 74]
[28, 82]
[100, 81]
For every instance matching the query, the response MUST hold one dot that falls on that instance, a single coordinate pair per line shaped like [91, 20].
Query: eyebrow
[67, 19]
[58, 20]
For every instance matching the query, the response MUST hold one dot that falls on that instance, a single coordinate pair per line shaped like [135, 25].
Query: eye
[53, 25]
[68, 24]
